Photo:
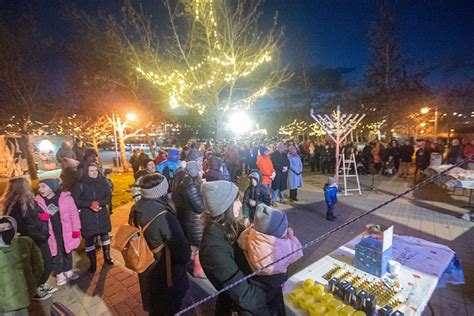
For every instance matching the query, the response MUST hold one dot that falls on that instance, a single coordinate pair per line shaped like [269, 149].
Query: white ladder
[346, 170]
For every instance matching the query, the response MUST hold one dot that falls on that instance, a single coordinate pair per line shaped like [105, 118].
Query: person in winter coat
[18, 201]
[406, 154]
[330, 195]
[135, 188]
[422, 159]
[394, 151]
[162, 156]
[455, 152]
[157, 297]
[268, 240]
[469, 153]
[64, 227]
[232, 161]
[189, 205]
[224, 262]
[256, 193]
[265, 165]
[21, 267]
[90, 157]
[281, 164]
[168, 167]
[92, 194]
[78, 150]
[68, 179]
[214, 173]
[326, 158]
[295, 174]
[312, 157]
[65, 153]
[143, 158]
[135, 162]
[252, 159]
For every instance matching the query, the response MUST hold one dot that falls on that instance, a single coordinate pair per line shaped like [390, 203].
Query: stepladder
[349, 170]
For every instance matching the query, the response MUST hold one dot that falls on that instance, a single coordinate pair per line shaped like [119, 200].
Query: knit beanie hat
[332, 181]
[173, 151]
[52, 183]
[218, 196]
[263, 150]
[194, 154]
[255, 174]
[90, 152]
[270, 221]
[193, 168]
[157, 191]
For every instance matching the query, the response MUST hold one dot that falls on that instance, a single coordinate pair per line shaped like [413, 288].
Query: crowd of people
[189, 200]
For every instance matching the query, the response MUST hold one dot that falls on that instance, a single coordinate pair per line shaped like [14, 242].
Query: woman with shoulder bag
[158, 296]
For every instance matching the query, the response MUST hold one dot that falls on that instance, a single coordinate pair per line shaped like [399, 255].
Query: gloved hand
[95, 206]
[44, 216]
[76, 234]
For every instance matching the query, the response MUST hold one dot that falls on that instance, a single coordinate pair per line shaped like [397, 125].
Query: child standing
[330, 194]
[268, 240]
[64, 227]
[21, 267]
[256, 193]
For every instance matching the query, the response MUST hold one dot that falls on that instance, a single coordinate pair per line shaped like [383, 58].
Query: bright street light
[422, 124]
[425, 110]
[239, 123]
[131, 116]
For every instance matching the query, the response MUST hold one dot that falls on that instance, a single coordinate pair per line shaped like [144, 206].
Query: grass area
[122, 182]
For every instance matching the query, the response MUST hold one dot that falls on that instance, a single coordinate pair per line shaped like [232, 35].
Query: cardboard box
[374, 251]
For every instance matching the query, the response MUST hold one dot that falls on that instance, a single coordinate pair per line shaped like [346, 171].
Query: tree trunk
[30, 160]
[123, 153]
[95, 145]
[150, 144]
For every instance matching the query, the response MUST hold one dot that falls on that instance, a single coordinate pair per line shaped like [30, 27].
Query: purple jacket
[69, 219]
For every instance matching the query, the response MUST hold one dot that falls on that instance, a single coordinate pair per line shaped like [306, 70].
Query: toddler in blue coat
[330, 195]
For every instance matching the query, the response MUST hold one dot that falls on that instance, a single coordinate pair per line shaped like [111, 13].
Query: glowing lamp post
[425, 110]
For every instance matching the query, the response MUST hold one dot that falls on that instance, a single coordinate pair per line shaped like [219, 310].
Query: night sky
[438, 34]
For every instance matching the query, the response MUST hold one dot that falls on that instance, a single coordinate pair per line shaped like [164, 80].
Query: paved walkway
[429, 213]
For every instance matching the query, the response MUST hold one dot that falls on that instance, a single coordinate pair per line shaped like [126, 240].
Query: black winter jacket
[157, 297]
[406, 153]
[224, 263]
[214, 173]
[84, 193]
[280, 160]
[260, 194]
[30, 225]
[189, 204]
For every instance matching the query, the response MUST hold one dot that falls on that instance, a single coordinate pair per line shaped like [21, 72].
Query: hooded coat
[296, 170]
[265, 165]
[259, 193]
[279, 161]
[85, 192]
[70, 222]
[156, 295]
[21, 267]
[224, 263]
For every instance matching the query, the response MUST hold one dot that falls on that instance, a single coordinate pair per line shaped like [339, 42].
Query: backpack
[130, 241]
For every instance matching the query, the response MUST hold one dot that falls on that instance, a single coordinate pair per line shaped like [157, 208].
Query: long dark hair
[232, 226]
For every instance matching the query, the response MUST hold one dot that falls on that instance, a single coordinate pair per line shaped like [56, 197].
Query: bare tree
[24, 107]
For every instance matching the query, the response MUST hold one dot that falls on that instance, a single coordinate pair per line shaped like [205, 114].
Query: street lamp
[131, 117]
[425, 110]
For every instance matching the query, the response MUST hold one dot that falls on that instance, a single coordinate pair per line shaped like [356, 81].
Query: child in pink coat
[64, 227]
[269, 239]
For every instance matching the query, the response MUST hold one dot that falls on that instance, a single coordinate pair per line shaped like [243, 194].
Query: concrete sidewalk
[429, 213]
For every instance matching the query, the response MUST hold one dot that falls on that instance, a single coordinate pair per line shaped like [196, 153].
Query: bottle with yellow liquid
[335, 305]
[327, 298]
[317, 291]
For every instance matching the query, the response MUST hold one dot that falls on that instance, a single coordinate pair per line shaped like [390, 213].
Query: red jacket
[469, 152]
[265, 166]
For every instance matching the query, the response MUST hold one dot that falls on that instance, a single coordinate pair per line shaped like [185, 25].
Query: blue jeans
[275, 195]
[330, 211]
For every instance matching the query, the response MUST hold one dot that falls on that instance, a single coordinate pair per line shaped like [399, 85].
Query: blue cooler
[370, 258]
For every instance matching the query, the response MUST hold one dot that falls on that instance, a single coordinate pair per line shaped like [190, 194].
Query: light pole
[114, 123]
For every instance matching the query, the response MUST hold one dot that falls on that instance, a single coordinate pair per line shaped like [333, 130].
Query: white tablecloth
[423, 264]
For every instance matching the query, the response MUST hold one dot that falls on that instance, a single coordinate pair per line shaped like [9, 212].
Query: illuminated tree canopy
[218, 59]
